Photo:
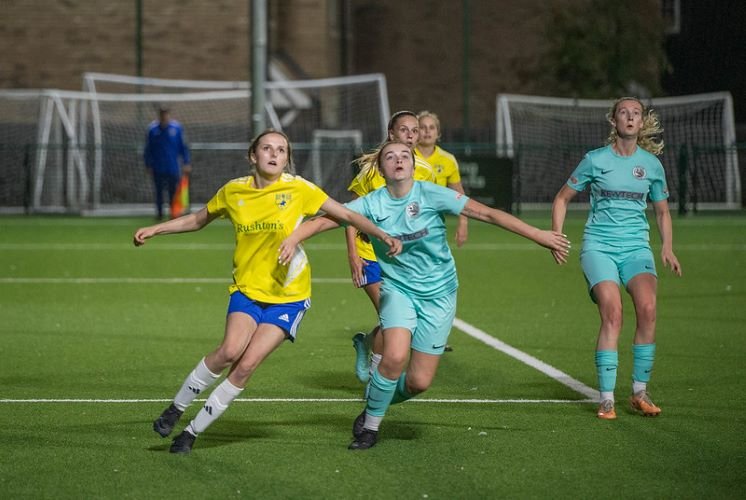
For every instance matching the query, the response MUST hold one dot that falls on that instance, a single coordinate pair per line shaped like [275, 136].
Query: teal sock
[379, 395]
[606, 367]
[643, 357]
[401, 394]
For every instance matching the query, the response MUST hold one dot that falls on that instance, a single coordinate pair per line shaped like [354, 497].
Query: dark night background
[709, 53]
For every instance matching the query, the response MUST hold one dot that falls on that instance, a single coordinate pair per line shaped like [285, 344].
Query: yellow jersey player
[444, 164]
[267, 299]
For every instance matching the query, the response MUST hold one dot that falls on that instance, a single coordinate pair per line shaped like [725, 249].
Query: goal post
[546, 137]
[332, 154]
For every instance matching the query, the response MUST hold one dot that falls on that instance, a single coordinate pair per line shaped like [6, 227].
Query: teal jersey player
[426, 267]
[620, 187]
[616, 252]
[418, 294]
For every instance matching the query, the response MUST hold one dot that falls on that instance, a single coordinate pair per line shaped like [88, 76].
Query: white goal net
[547, 137]
[334, 147]
[298, 107]
[43, 167]
[82, 151]
[17, 137]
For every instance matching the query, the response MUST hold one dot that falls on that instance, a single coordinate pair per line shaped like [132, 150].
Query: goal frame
[65, 142]
[506, 145]
[289, 92]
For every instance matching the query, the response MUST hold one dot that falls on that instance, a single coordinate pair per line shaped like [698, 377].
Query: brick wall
[50, 43]
[421, 51]
[55, 41]
[418, 45]
[308, 32]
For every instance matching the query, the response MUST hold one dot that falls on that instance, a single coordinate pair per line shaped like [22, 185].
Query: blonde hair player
[267, 299]
[418, 292]
[366, 273]
[444, 164]
[616, 249]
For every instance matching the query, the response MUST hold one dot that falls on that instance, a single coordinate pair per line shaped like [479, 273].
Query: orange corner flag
[180, 202]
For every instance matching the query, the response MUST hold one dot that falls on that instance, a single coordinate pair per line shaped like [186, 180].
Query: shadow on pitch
[283, 431]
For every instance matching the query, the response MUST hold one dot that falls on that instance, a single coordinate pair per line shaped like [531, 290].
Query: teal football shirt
[425, 268]
[620, 187]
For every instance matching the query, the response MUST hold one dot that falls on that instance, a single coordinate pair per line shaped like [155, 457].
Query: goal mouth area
[546, 137]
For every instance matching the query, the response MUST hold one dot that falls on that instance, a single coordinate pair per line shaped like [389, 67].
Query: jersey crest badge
[639, 172]
[413, 209]
[282, 200]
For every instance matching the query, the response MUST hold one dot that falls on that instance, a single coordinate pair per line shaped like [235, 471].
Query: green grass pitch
[96, 336]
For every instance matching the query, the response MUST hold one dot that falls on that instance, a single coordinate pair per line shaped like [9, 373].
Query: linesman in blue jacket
[164, 146]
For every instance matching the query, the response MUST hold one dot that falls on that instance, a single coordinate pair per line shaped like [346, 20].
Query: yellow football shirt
[444, 164]
[262, 219]
[367, 182]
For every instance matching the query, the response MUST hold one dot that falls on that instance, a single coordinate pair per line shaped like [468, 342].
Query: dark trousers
[164, 182]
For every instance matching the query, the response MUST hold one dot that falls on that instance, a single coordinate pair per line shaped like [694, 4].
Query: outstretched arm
[335, 212]
[665, 227]
[559, 211]
[342, 213]
[183, 224]
[552, 240]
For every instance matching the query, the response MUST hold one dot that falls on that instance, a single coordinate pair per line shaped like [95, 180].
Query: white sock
[639, 386]
[200, 379]
[372, 423]
[375, 360]
[215, 405]
[607, 395]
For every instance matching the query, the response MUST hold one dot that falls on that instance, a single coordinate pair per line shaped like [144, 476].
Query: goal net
[332, 154]
[547, 137]
[19, 112]
[82, 151]
[40, 129]
[216, 128]
[298, 107]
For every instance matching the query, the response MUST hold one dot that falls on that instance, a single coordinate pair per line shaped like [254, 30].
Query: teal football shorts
[615, 264]
[428, 320]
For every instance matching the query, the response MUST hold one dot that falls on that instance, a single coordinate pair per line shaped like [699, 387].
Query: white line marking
[732, 219]
[531, 361]
[138, 281]
[307, 400]
[472, 331]
[493, 247]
